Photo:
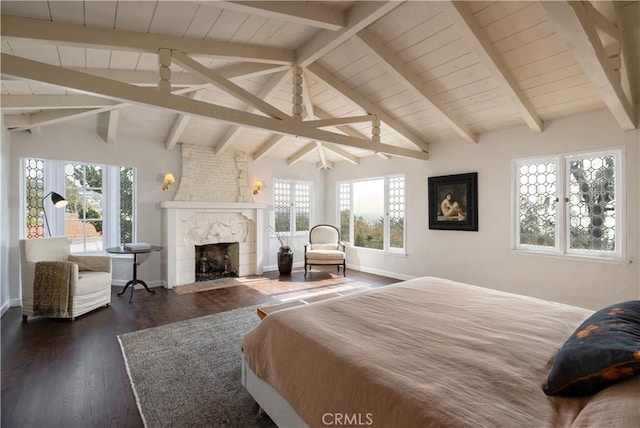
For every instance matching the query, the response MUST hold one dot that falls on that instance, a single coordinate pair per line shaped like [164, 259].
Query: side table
[135, 280]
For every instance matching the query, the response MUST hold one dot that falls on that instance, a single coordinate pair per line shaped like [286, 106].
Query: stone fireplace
[188, 225]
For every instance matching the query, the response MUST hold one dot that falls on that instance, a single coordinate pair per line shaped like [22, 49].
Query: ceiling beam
[361, 15]
[307, 13]
[337, 150]
[234, 131]
[321, 154]
[150, 78]
[330, 78]
[320, 123]
[297, 156]
[228, 86]
[107, 126]
[307, 101]
[322, 114]
[266, 147]
[329, 165]
[47, 117]
[59, 76]
[79, 35]
[477, 39]
[46, 102]
[571, 20]
[179, 125]
[394, 66]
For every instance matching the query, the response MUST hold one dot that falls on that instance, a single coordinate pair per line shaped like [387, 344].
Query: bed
[427, 352]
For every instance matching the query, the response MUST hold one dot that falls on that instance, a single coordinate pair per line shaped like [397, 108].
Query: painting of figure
[453, 202]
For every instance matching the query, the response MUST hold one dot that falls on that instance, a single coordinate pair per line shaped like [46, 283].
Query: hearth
[215, 261]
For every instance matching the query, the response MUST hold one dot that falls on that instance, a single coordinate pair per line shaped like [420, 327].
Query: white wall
[77, 141]
[484, 257]
[5, 295]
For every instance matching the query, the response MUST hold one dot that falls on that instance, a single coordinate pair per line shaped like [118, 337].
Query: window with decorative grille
[292, 206]
[371, 213]
[570, 204]
[100, 209]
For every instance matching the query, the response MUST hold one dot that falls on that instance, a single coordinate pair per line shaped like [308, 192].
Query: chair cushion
[324, 246]
[325, 255]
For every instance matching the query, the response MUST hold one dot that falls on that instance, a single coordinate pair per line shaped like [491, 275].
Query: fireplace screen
[215, 261]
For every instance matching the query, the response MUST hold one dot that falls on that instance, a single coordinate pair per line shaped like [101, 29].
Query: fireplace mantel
[182, 218]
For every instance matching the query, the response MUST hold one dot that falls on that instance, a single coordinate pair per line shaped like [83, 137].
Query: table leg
[135, 280]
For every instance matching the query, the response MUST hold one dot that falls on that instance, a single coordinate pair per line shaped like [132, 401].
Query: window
[292, 205]
[100, 209]
[570, 204]
[371, 213]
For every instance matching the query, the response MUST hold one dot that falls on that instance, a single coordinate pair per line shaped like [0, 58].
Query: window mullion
[292, 211]
[385, 226]
[562, 212]
[111, 206]
[55, 171]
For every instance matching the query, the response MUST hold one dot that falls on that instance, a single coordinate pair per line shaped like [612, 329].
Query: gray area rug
[187, 374]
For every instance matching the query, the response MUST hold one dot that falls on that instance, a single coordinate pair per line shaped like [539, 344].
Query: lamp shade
[58, 200]
[168, 178]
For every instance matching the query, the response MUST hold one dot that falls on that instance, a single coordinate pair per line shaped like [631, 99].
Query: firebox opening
[215, 261]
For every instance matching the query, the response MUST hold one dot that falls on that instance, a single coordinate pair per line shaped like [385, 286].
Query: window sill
[373, 250]
[575, 257]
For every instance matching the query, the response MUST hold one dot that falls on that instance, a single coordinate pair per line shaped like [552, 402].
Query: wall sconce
[168, 179]
[257, 187]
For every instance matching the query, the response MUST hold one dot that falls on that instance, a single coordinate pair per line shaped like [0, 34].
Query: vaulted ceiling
[319, 82]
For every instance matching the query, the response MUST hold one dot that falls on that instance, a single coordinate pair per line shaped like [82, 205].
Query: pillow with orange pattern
[603, 350]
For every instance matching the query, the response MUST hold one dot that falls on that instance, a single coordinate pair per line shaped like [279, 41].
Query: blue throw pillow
[605, 349]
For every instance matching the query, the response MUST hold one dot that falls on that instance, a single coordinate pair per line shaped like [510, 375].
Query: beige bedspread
[423, 353]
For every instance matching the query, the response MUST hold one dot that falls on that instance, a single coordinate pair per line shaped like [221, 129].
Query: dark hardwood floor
[62, 373]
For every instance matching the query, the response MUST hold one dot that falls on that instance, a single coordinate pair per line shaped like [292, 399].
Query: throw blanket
[51, 294]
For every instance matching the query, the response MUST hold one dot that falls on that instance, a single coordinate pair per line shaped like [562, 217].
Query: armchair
[325, 248]
[89, 277]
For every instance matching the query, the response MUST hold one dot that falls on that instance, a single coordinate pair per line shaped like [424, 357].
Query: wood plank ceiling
[319, 82]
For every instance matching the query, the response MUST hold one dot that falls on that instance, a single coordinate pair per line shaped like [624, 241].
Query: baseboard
[356, 268]
[11, 303]
[4, 308]
[273, 268]
[379, 272]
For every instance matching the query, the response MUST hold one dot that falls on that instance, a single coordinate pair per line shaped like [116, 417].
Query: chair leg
[344, 269]
[24, 318]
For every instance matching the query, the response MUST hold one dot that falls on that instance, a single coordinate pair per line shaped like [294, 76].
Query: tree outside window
[569, 205]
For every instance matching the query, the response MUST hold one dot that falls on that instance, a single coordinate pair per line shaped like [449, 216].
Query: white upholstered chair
[325, 248]
[89, 279]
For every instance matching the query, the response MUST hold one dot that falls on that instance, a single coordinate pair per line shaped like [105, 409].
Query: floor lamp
[58, 202]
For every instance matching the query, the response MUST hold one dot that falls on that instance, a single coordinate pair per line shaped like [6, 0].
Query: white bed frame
[278, 409]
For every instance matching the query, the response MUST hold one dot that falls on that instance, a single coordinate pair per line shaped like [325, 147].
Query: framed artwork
[453, 202]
